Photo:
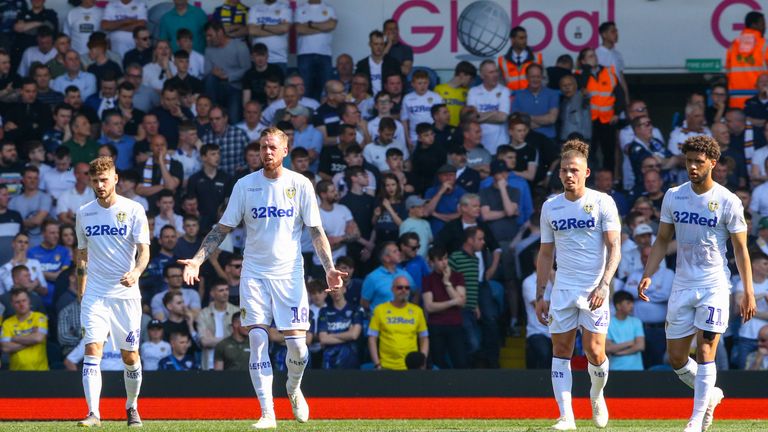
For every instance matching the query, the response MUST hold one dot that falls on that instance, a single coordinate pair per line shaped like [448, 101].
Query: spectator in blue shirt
[180, 359]
[53, 257]
[540, 102]
[413, 263]
[339, 326]
[305, 135]
[625, 342]
[377, 286]
[525, 206]
[443, 199]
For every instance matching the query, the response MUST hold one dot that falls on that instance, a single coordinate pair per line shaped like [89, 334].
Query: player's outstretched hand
[748, 308]
[598, 295]
[333, 277]
[642, 287]
[129, 279]
[542, 311]
[191, 271]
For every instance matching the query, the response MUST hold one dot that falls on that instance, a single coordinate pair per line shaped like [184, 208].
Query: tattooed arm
[612, 240]
[209, 245]
[323, 250]
[81, 271]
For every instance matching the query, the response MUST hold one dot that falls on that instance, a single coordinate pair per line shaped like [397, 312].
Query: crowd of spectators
[428, 192]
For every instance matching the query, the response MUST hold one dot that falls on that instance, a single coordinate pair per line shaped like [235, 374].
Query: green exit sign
[703, 65]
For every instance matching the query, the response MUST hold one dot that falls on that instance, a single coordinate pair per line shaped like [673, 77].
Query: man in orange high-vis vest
[515, 62]
[746, 60]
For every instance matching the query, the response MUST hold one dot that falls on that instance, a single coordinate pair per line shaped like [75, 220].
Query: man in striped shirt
[470, 263]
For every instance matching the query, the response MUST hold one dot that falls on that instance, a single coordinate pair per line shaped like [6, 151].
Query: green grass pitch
[398, 425]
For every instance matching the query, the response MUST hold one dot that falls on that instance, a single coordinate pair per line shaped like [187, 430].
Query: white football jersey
[373, 130]
[576, 228]
[496, 99]
[111, 235]
[80, 24]
[274, 211]
[122, 40]
[274, 14]
[703, 224]
[418, 109]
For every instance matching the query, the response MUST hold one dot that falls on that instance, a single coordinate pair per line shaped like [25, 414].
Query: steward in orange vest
[516, 61]
[745, 60]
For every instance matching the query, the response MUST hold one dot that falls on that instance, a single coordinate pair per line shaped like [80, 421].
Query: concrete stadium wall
[502, 394]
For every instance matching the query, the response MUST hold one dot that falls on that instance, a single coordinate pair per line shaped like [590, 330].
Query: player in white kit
[110, 231]
[702, 215]
[583, 226]
[275, 204]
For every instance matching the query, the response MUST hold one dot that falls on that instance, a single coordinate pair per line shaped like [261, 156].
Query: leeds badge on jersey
[121, 216]
[588, 208]
[713, 206]
[290, 192]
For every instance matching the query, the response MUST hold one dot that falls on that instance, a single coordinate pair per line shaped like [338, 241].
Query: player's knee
[130, 357]
[93, 349]
[709, 336]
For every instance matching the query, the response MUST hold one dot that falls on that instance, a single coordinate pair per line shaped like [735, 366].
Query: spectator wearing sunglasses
[397, 329]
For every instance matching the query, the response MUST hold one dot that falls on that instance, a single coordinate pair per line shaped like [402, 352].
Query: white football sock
[260, 368]
[599, 376]
[562, 381]
[705, 382]
[687, 373]
[296, 360]
[92, 383]
[132, 376]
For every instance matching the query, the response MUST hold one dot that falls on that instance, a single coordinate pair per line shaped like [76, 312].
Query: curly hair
[702, 144]
[575, 148]
[100, 165]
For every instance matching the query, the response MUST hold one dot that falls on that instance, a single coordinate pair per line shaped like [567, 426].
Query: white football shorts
[697, 308]
[283, 300]
[120, 319]
[569, 309]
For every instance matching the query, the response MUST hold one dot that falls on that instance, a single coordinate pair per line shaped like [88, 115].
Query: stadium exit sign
[703, 65]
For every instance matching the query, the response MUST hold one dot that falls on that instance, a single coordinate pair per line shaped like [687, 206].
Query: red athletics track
[372, 408]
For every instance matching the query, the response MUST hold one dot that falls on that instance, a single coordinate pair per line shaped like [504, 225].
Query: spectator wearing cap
[213, 322]
[652, 313]
[443, 198]
[397, 329]
[305, 135]
[415, 223]
[507, 154]
[466, 177]
[155, 348]
[642, 236]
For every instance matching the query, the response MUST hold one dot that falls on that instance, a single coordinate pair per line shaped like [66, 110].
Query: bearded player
[582, 225]
[110, 231]
[702, 215]
[275, 204]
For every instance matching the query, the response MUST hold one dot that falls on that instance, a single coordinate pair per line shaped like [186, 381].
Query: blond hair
[100, 165]
[575, 148]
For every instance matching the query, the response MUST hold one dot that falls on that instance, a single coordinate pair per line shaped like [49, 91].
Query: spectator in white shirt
[120, 18]
[81, 22]
[315, 21]
[43, 52]
[71, 200]
[269, 24]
